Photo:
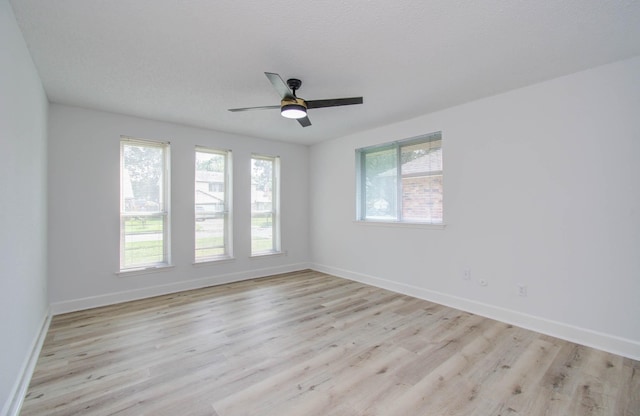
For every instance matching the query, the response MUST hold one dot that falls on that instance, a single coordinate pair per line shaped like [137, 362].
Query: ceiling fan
[296, 108]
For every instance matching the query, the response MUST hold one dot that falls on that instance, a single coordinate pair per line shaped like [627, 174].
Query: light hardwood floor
[306, 344]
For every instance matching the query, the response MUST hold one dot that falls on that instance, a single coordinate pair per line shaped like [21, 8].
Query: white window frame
[164, 213]
[226, 214]
[275, 207]
[361, 214]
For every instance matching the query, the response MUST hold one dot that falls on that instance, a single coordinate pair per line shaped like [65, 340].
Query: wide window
[212, 205]
[144, 204]
[401, 181]
[265, 205]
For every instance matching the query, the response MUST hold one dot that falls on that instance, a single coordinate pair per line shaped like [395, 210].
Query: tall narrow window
[401, 181]
[265, 205]
[144, 204]
[212, 205]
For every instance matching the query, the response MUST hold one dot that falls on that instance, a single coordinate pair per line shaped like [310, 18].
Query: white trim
[263, 254]
[144, 270]
[119, 297]
[401, 224]
[14, 404]
[144, 142]
[599, 340]
[214, 260]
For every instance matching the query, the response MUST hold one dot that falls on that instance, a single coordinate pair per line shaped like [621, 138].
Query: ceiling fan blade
[333, 102]
[279, 85]
[265, 107]
[304, 122]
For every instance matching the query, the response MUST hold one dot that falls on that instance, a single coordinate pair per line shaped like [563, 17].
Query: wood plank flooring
[308, 344]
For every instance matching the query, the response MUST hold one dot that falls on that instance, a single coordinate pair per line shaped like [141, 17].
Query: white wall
[542, 188]
[23, 219]
[84, 148]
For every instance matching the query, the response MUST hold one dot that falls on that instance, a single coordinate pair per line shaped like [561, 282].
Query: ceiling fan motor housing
[293, 101]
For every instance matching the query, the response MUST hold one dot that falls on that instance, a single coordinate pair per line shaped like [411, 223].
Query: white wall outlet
[483, 282]
[522, 290]
[466, 274]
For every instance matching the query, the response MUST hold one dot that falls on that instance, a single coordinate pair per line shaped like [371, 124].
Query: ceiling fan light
[294, 111]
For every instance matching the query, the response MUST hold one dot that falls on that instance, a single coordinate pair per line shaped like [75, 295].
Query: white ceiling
[189, 61]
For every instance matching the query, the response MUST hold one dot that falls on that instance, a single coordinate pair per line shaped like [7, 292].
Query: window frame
[361, 197]
[226, 214]
[164, 213]
[275, 207]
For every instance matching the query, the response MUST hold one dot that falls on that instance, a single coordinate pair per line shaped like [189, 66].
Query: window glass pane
[143, 217]
[211, 205]
[261, 233]
[210, 238]
[422, 198]
[421, 157]
[261, 185]
[143, 240]
[142, 178]
[263, 205]
[381, 183]
[421, 171]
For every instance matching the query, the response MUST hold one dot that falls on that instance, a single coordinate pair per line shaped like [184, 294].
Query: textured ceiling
[189, 61]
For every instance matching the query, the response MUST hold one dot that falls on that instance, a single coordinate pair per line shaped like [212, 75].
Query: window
[265, 205]
[212, 205]
[144, 204]
[401, 181]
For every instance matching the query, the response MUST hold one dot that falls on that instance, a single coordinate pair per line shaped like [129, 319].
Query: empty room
[335, 207]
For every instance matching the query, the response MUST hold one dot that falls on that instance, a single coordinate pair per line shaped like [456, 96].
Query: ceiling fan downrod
[294, 84]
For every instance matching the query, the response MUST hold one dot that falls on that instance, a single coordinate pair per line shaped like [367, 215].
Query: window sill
[268, 254]
[401, 224]
[213, 261]
[145, 270]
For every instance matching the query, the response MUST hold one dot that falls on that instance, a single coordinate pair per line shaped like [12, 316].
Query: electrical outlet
[483, 282]
[466, 274]
[522, 290]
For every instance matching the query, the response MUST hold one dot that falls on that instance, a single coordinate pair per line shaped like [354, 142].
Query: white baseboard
[58, 308]
[14, 404]
[602, 341]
